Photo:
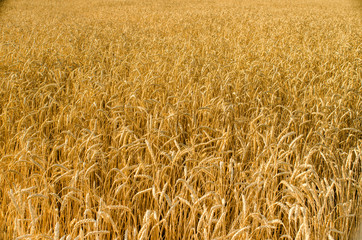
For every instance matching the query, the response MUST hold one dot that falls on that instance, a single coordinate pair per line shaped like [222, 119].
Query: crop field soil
[180, 119]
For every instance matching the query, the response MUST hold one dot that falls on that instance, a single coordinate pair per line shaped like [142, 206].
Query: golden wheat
[229, 119]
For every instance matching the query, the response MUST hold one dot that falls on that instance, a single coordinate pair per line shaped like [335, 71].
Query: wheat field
[180, 119]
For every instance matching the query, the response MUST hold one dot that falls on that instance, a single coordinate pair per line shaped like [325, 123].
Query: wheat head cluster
[180, 119]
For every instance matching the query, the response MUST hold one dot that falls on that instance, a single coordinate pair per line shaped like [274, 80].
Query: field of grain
[180, 119]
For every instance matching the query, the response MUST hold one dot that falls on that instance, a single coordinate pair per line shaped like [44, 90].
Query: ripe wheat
[228, 119]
